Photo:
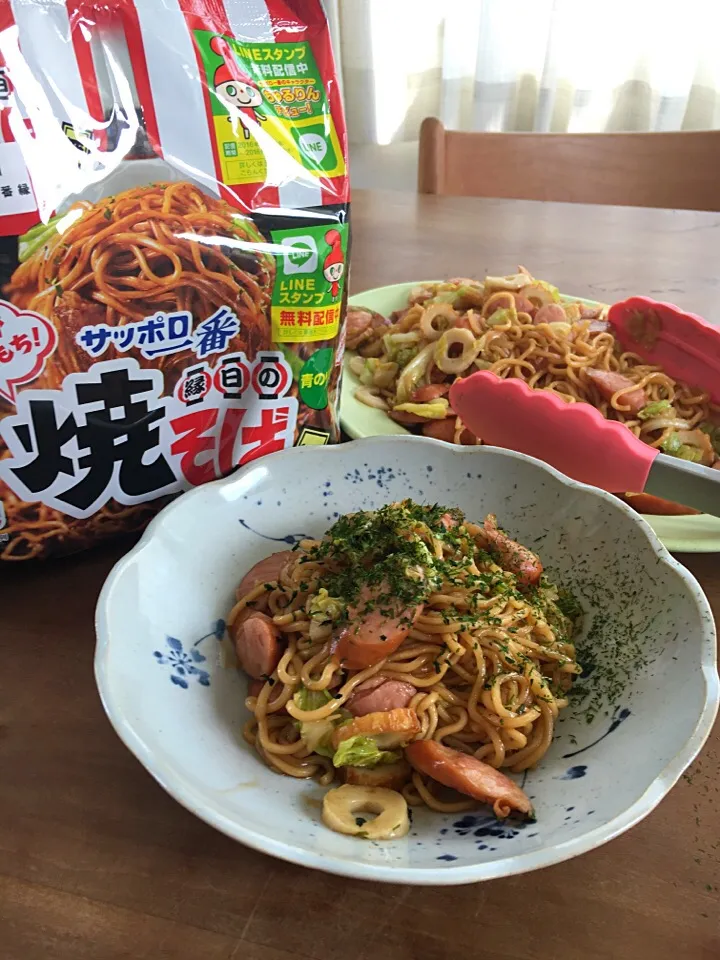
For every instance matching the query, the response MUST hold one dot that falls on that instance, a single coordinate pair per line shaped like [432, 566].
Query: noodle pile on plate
[402, 625]
[516, 326]
[164, 247]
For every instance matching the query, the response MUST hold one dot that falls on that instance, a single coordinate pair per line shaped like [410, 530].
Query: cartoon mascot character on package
[235, 87]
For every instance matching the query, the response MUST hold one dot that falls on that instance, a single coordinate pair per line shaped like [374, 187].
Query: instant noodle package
[174, 221]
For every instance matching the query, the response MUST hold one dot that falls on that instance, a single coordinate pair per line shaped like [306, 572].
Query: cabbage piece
[357, 365]
[572, 311]
[398, 339]
[501, 317]
[384, 373]
[655, 409]
[422, 291]
[468, 296]
[415, 370]
[362, 751]
[308, 700]
[404, 356]
[713, 431]
[687, 452]
[401, 347]
[671, 444]
[322, 608]
[316, 734]
[514, 283]
[432, 410]
[560, 328]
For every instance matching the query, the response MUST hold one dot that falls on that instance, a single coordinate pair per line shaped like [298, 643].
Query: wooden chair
[676, 170]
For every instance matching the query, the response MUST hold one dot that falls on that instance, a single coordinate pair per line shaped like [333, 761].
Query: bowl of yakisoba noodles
[407, 661]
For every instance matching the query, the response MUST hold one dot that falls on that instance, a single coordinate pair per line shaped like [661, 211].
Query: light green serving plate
[693, 534]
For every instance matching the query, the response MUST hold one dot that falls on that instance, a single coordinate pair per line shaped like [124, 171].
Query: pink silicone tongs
[683, 344]
[576, 438]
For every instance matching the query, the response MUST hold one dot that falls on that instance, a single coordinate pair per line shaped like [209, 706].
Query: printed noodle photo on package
[173, 262]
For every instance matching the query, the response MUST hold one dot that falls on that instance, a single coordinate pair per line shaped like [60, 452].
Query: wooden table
[98, 863]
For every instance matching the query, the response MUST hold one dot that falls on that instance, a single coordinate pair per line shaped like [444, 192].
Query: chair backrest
[676, 170]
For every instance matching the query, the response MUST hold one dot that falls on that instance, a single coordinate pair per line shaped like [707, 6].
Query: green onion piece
[36, 237]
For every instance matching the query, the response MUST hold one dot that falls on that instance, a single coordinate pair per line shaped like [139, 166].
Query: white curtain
[542, 65]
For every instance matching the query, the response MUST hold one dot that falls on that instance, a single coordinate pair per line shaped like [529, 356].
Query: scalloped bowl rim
[193, 801]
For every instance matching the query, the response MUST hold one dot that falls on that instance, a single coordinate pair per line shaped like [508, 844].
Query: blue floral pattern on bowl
[184, 663]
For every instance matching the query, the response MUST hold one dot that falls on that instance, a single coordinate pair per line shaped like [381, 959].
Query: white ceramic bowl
[160, 617]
